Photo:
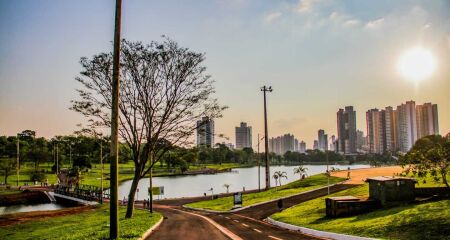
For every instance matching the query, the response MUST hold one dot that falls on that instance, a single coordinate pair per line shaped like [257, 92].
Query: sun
[416, 64]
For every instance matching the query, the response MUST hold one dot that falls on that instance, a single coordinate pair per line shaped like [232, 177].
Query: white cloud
[272, 16]
[343, 20]
[375, 23]
[305, 5]
[351, 23]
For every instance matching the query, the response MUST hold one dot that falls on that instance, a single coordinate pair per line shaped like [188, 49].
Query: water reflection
[239, 178]
[31, 208]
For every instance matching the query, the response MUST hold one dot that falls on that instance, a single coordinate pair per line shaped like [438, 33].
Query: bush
[37, 176]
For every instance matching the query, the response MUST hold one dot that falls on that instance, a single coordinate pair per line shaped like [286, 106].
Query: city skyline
[37, 83]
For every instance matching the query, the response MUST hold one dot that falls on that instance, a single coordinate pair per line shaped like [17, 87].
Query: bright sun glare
[416, 64]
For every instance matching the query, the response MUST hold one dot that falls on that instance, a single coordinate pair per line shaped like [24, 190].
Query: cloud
[343, 20]
[305, 5]
[375, 24]
[351, 23]
[272, 16]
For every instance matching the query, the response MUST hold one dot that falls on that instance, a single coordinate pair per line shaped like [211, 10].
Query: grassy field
[86, 225]
[92, 176]
[226, 203]
[429, 220]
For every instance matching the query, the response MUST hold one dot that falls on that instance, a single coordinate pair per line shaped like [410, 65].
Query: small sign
[157, 190]
[237, 197]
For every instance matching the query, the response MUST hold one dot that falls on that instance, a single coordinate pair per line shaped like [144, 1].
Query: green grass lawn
[92, 176]
[430, 220]
[226, 203]
[86, 225]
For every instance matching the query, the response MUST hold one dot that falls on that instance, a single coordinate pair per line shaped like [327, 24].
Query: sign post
[237, 200]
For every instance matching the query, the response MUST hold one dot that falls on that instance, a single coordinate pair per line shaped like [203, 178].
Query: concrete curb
[316, 233]
[261, 203]
[150, 230]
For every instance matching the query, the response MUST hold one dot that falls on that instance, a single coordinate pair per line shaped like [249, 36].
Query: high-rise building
[322, 140]
[407, 125]
[427, 120]
[315, 145]
[302, 147]
[243, 136]
[390, 128]
[359, 140]
[346, 128]
[375, 130]
[296, 145]
[205, 132]
[333, 143]
[282, 144]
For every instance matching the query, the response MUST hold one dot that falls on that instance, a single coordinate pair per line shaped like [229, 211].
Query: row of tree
[73, 151]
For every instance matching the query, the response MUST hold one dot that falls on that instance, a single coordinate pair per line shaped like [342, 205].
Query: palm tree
[278, 175]
[301, 171]
[227, 186]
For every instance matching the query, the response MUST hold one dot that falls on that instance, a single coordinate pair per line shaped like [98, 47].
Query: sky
[318, 55]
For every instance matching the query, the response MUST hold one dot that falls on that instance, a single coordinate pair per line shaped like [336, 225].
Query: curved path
[246, 224]
[178, 224]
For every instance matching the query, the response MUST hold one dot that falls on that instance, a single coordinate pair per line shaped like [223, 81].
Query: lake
[238, 178]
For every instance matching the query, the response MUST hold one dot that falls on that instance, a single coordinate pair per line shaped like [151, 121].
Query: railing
[85, 192]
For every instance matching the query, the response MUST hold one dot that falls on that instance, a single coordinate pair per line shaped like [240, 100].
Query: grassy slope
[226, 203]
[429, 220]
[86, 225]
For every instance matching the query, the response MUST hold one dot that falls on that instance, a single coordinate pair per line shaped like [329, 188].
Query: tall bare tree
[164, 90]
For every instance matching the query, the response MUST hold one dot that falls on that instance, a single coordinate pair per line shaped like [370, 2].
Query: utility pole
[114, 204]
[259, 165]
[259, 168]
[266, 140]
[328, 174]
[101, 177]
[18, 159]
[57, 160]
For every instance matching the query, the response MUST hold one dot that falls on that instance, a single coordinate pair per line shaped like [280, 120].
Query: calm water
[197, 185]
[31, 208]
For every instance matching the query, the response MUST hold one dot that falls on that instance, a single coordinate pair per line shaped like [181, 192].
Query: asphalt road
[181, 225]
[244, 224]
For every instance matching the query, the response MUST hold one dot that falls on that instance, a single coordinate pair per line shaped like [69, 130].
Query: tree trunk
[444, 179]
[132, 194]
[6, 176]
[150, 206]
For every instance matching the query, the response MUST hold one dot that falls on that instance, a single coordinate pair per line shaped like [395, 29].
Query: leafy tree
[38, 176]
[429, 155]
[163, 92]
[7, 166]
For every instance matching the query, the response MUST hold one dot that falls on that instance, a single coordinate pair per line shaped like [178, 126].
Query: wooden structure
[349, 205]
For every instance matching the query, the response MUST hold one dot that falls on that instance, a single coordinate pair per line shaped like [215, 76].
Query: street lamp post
[266, 141]
[18, 160]
[259, 165]
[114, 204]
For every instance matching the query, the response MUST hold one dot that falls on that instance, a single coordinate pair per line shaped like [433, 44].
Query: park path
[358, 176]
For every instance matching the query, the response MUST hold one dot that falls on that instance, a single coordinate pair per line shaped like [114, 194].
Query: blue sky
[318, 55]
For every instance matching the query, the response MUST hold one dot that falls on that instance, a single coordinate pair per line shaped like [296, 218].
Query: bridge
[84, 194]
